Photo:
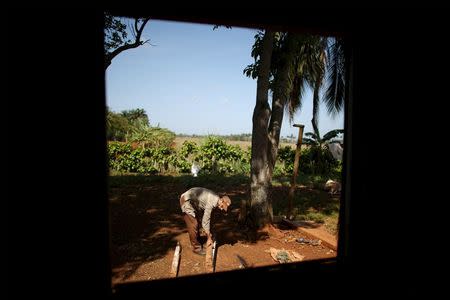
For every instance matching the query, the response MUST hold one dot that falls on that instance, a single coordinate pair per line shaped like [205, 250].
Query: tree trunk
[281, 94]
[276, 121]
[261, 208]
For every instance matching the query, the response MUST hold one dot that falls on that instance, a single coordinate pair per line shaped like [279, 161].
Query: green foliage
[115, 33]
[133, 126]
[286, 155]
[136, 117]
[313, 160]
[312, 205]
[279, 171]
[120, 125]
[314, 139]
[149, 137]
[181, 165]
[117, 126]
[117, 149]
[317, 160]
[188, 148]
[117, 29]
[216, 156]
[123, 158]
[185, 156]
[229, 137]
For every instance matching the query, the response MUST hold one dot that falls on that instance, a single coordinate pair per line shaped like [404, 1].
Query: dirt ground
[146, 223]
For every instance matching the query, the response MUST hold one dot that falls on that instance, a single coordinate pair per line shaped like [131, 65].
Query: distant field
[243, 144]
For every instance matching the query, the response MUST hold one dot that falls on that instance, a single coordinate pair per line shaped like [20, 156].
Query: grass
[311, 181]
[312, 203]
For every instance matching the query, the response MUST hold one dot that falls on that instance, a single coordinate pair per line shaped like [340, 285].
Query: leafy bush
[286, 155]
[188, 148]
[317, 160]
[149, 137]
[218, 157]
[313, 160]
[123, 158]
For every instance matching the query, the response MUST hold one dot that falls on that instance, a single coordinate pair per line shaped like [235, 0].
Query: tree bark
[276, 121]
[281, 94]
[261, 208]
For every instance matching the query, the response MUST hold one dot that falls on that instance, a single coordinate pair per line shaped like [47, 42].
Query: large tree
[136, 117]
[297, 61]
[116, 36]
[121, 125]
[261, 209]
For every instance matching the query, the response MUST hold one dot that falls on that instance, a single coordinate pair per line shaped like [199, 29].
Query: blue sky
[191, 81]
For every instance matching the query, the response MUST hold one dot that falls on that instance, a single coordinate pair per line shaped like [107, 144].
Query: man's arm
[206, 221]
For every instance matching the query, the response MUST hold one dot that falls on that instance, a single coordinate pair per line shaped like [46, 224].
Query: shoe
[200, 252]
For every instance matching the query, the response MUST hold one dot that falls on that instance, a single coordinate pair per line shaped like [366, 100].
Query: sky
[190, 80]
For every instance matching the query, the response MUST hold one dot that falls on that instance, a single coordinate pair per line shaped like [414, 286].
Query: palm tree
[297, 61]
[314, 139]
[320, 151]
[261, 209]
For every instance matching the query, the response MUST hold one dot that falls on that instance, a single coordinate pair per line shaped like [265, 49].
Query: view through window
[185, 105]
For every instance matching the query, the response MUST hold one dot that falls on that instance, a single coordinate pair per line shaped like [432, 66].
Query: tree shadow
[141, 231]
[146, 219]
[228, 231]
[145, 215]
[305, 201]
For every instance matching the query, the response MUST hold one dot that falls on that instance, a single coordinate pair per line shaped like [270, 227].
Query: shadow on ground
[146, 219]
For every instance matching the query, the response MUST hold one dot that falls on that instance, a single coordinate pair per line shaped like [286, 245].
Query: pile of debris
[310, 242]
[285, 256]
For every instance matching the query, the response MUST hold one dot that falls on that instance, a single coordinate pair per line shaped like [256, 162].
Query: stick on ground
[210, 262]
[214, 255]
[176, 261]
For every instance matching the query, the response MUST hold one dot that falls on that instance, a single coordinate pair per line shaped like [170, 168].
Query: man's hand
[210, 240]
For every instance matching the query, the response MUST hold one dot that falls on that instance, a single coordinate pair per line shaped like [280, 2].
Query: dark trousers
[192, 225]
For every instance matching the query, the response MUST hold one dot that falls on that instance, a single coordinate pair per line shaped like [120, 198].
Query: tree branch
[139, 31]
[110, 56]
[136, 25]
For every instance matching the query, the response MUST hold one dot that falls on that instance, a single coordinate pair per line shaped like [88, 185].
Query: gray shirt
[198, 199]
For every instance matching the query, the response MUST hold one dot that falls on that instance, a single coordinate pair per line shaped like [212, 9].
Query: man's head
[224, 203]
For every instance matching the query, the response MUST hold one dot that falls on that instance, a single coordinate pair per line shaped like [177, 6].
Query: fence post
[294, 175]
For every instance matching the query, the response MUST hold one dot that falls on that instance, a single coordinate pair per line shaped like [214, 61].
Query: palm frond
[332, 134]
[335, 91]
[316, 103]
[308, 141]
[311, 134]
[295, 100]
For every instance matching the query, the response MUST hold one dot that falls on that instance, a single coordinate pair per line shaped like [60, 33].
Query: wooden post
[294, 175]
[175, 261]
